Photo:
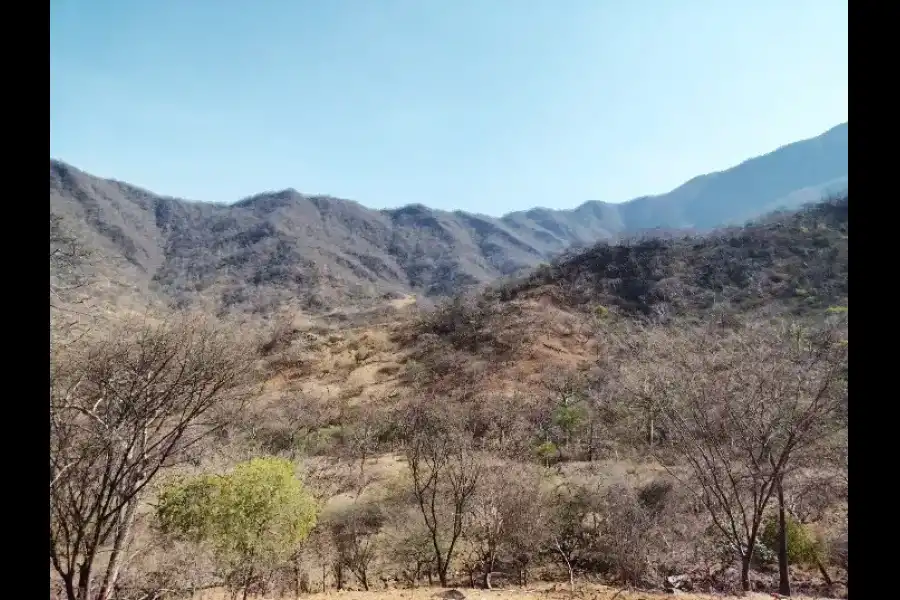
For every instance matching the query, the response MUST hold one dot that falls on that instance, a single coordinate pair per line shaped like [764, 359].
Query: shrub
[252, 519]
[547, 451]
[803, 547]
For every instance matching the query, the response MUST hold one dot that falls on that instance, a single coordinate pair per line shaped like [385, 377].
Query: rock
[451, 595]
[678, 583]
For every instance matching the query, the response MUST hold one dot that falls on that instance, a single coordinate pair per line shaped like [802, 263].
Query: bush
[252, 519]
[547, 451]
[803, 548]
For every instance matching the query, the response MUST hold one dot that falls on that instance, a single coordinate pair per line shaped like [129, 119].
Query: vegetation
[124, 407]
[252, 518]
[659, 414]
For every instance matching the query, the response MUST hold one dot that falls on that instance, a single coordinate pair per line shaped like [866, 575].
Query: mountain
[796, 261]
[318, 252]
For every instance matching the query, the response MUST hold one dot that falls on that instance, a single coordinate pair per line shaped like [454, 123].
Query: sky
[487, 106]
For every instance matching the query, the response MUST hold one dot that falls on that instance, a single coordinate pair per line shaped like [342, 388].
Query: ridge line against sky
[487, 107]
[473, 212]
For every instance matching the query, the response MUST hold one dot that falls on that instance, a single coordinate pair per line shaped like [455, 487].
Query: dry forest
[654, 415]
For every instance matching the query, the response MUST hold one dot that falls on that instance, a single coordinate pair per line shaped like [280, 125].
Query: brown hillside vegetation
[651, 415]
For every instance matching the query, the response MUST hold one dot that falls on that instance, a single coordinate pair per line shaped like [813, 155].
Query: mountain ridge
[319, 251]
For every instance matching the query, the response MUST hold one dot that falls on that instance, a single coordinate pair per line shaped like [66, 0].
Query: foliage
[123, 407]
[803, 547]
[253, 517]
[546, 451]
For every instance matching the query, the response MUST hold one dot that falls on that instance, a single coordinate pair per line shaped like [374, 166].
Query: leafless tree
[504, 513]
[573, 526]
[361, 440]
[739, 406]
[646, 387]
[68, 258]
[123, 407]
[355, 533]
[445, 473]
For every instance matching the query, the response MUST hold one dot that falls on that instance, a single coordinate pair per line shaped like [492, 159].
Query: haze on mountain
[319, 252]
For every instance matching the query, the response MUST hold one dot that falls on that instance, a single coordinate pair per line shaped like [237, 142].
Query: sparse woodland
[700, 443]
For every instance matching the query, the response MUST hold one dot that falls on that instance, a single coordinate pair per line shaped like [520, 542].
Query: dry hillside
[316, 253]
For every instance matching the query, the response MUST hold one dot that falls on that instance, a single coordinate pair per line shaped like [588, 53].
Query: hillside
[541, 392]
[520, 335]
[795, 260]
[315, 253]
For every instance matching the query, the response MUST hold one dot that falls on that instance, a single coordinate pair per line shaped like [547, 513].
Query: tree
[445, 473]
[67, 256]
[252, 518]
[645, 386]
[505, 511]
[573, 526]
[354, 532]
[739, 406]
[123, 407]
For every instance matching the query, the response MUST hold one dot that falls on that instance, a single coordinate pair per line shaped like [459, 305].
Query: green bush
[251, 519]
[803, 547]
[547, 451]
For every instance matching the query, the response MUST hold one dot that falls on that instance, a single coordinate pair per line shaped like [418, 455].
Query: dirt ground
[553, 592]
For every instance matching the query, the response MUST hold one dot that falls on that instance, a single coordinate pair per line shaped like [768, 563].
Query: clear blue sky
[480, 105]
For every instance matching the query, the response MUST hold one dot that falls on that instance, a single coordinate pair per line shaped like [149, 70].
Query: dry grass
[549, 592]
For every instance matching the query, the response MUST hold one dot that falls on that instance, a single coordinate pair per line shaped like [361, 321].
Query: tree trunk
[651, 431]
[247, 582]
[84, 580]
[488, 571]
[120, 545]
[487, 579]
[745, 571]
[338, 575]
[784, 581]
[824, 572]
[568, 565]
[70, 587]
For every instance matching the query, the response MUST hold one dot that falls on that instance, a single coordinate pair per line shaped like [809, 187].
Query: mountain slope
[796, 260]
[318, 252]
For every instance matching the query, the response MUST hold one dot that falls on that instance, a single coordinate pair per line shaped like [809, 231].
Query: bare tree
[68, 257]
[646, 387]
[573, 526]
[504, 513]
[739, 406]
[361, 440]
[355, 534]
[122, 408]
[445, 473]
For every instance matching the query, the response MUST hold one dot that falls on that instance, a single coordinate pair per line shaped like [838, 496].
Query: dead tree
[445, 473]
[739, 406]
[122, 408]
[505, 512]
